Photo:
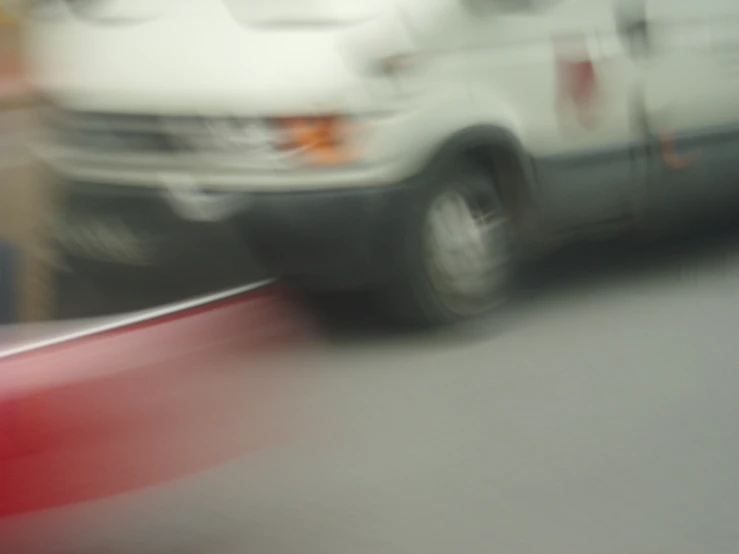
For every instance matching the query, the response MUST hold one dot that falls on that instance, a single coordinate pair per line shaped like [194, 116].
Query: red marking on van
[577, 79]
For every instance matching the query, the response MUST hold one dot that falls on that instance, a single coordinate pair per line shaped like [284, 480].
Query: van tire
[458, 248]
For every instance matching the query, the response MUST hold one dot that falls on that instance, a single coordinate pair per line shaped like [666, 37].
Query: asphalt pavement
[595, 414]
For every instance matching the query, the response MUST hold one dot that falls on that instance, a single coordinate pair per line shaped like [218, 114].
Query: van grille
[106, 132]
[132, 133]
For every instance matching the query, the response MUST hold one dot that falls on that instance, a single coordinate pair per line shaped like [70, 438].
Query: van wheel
[458, 250]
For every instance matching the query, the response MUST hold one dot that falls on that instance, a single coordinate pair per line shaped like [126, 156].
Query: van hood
[212, 65]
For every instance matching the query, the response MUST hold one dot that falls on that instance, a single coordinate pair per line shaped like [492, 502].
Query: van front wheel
[458, 249]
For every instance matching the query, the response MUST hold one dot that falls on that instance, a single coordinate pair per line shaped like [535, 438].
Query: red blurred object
[142, 401]
[578, 79]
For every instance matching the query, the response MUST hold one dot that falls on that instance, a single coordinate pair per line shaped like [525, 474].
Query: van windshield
[302, 12]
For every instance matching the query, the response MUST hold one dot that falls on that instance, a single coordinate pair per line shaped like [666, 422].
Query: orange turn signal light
[323, 140]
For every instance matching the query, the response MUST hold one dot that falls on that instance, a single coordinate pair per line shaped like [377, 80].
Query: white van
[416, 147]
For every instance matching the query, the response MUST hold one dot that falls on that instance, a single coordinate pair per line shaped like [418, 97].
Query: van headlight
[322, 140]
[115, 11]
[99, 11]
[40, 10]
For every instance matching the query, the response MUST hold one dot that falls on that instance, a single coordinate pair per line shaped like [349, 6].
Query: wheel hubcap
[466, 245]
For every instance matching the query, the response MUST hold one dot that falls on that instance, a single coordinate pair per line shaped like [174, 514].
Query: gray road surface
[598, 415]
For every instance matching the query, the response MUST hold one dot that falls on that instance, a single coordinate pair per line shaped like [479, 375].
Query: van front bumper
[345, 238]
[336, 238]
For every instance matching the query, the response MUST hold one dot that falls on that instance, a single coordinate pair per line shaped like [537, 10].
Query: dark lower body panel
[335, 239]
